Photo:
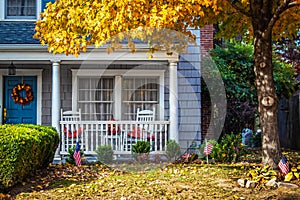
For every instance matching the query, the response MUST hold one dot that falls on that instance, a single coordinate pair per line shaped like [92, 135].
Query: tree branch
[293, 4]
[287, 4]
[239, 9]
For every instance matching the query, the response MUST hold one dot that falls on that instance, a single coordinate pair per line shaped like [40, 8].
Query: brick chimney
[206, 39]
[206, 43]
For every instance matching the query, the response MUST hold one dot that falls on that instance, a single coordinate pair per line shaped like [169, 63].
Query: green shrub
[24, 149]
[229, 149]
[255, 140]
[51, 141]
[140, 151]
[70, 159]
[105, 153]
[141, 147]
[173, 150]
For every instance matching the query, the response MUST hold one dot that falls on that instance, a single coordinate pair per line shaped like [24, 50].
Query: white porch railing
[121, 135]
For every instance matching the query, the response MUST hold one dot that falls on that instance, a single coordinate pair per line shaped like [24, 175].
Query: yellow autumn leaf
[288, 177]
[39, 187]
[297, 175]
[293, 169]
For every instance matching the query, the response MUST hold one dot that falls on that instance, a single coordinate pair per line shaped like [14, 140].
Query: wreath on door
[18, 98]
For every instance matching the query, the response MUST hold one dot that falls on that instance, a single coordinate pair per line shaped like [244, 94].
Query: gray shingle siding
[65, 92]
[66, 87]
[46, 96]
[189, 87]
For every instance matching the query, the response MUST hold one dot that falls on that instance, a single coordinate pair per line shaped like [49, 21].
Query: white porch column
[56, 101]
[55, 94]
[173, 101]
[118, 98]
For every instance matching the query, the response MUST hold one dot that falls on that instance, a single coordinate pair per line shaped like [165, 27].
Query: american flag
[207, 149]
[76, 155]
[284, 165]
[185, 155]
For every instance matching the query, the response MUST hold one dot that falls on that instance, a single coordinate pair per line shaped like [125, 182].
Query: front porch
[120, 135]
[116, 91]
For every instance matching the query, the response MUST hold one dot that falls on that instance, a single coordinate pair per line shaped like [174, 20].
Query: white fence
[121, 135]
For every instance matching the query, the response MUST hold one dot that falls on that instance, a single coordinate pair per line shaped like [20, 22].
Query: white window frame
[92, 101]
[3, 12]
[118, 74]
[133, 89]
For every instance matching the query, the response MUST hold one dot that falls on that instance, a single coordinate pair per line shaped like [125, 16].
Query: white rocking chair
[71, 128]
[142, 131]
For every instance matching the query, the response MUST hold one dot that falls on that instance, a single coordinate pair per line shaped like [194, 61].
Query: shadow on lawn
[58, 176]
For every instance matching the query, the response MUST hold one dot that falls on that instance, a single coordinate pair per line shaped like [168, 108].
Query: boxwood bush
[24, 148]
[140, 151]
[105, 154]
[173, 150]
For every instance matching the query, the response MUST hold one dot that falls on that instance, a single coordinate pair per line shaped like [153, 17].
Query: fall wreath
[18, 98]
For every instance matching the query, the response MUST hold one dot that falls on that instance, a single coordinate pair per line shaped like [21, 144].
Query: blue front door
[13, 112]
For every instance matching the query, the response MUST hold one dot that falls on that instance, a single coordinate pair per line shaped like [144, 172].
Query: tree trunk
[267, 99]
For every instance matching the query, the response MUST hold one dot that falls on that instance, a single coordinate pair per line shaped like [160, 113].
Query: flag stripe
[284, 165]
[77, 158]
[207, 149]
[76, 155]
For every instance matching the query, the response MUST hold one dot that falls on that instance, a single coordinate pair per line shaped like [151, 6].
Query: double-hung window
[20, 9]
[118, 94]
[95, 97]
[139, 92]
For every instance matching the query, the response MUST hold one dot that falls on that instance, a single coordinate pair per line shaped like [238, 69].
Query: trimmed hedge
[24, 148]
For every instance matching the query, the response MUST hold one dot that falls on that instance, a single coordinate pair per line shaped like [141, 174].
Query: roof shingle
[17, 33]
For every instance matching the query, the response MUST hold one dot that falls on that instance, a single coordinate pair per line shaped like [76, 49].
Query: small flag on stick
[284, 165]
[76, 155]
[208, 148]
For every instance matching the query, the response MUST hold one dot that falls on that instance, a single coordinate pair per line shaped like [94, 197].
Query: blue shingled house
[104, 91]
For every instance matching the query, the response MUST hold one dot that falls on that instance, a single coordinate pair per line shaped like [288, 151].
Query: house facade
[102, 86]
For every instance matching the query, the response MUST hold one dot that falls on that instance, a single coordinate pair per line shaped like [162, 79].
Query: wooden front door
[15, 113]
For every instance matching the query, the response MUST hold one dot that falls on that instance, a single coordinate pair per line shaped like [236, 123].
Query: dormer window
[20, 9]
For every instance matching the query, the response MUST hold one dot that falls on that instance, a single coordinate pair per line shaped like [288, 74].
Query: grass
[169, 181]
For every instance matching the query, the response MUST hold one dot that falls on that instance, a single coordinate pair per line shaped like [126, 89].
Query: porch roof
[35, 53]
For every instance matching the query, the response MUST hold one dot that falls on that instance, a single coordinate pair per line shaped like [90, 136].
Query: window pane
[137, 93]
[95, 97]
[21, 8]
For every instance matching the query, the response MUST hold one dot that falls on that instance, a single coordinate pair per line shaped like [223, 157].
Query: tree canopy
[69, 26]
